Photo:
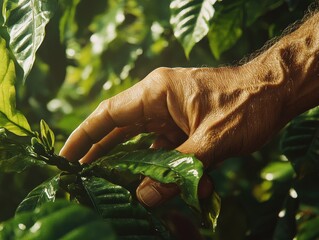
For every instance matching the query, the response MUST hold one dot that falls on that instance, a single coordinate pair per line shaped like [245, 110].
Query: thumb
[152, 193]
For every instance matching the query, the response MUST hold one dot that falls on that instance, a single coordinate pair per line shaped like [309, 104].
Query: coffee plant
[60, 58]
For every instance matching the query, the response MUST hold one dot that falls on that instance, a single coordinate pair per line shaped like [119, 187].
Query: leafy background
[95, 49]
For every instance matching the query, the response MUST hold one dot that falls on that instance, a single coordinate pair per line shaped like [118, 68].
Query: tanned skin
[213, 113]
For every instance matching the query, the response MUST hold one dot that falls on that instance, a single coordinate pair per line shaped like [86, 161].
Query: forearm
[292, 65]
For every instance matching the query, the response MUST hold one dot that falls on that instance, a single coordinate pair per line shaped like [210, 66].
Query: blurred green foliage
[95, 49]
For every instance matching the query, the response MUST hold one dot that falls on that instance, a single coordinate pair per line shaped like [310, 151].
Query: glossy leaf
[58, 220]
[46, 192]
[300, 143]
[47, 135]
[10, 118]
[163, 166]
[15, 154]
[211, 209]
[18, 163]
[190, 20]
[25, 21]
[117, 207]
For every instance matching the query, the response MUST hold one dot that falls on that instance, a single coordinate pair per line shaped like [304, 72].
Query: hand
[213, 113]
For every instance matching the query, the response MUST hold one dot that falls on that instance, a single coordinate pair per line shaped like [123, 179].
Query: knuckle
[103, 107]
[161, 71]
[106, 109]
[105, 104]
[160, 75]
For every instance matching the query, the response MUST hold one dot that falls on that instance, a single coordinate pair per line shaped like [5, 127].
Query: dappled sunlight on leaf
[26, 21]
[277, 171]
[174, 167]
[190, 20]
[10, 118]
[263, 192]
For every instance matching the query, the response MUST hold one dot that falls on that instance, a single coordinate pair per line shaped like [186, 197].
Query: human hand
[213, 113]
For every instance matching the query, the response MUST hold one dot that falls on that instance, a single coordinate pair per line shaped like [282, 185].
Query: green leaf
[141, 141]
[300, 143]
[307, 190]
[97, 230]
[286, 224]
[190, 20]
[58, 220]
[226, 29]
[19, 163]
[164, 166]
[255, 9]
[15, 154]
[47, 135]
[46, 192]
[10, 118]
[309, 230]
[211, 209]
[25, 21]
[68, 26]
[278, 171]
[231, 18]
[117, 207]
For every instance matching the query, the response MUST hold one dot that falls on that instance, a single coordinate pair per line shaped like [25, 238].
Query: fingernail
[149, 195]
[61, 151]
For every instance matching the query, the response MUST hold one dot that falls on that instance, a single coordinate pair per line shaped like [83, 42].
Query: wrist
[292, 65]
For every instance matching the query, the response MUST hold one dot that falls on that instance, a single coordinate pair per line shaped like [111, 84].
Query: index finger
[121, 110]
